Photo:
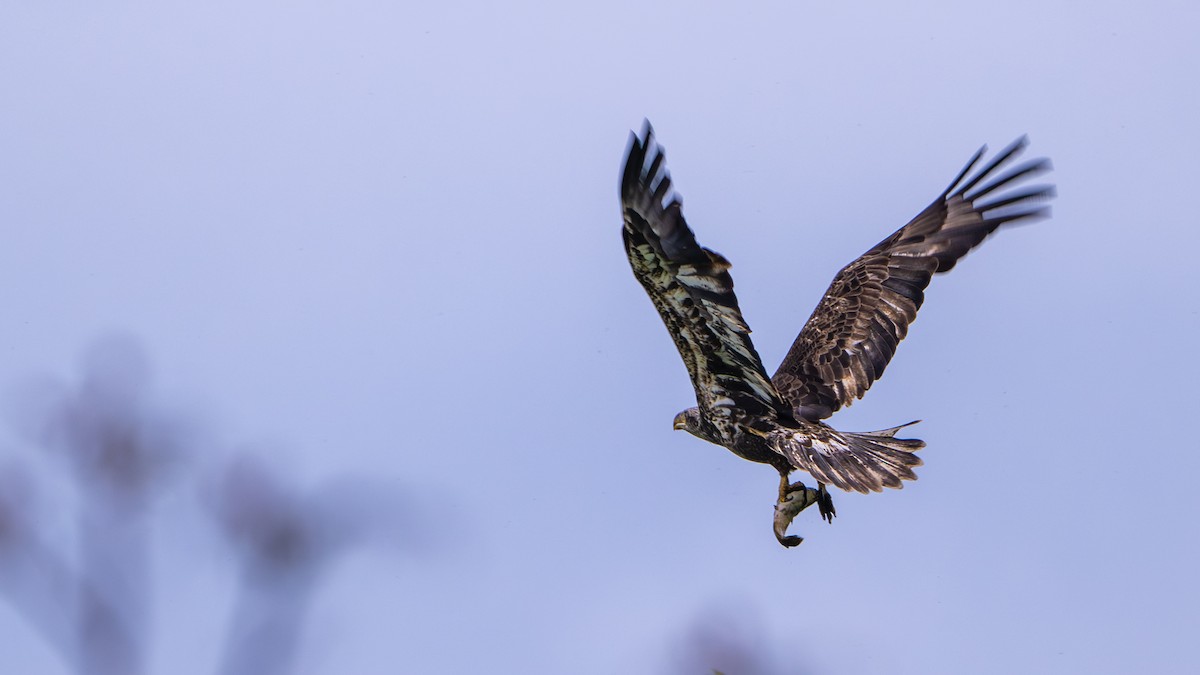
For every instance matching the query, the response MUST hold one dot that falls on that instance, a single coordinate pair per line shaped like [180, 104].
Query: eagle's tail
[884, 459]
[864, 462]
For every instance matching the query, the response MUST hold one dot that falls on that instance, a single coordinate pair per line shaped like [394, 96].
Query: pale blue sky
[383, 239]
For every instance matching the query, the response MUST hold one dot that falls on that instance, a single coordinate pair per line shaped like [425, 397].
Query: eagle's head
[689, 421]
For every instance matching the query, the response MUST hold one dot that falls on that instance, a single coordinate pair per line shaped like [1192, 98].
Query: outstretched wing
[692, 290]
[853, 332]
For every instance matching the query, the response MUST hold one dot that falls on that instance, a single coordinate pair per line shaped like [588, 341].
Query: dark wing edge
[692, 290]
[855, 329]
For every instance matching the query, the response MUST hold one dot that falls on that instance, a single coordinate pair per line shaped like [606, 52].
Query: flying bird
[843, 349]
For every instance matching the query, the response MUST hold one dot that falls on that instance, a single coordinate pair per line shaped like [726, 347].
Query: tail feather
[891, 433]
[864, 461]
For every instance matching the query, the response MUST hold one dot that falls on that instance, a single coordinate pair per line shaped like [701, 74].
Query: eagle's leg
[794, 498]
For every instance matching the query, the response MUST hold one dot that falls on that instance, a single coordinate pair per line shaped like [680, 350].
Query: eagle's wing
[853, 332]
[693, 292]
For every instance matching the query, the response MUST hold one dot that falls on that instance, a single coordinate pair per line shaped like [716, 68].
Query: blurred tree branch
[283, 540]
[93, 608]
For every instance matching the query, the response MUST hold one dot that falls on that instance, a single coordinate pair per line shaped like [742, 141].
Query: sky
[381, 241]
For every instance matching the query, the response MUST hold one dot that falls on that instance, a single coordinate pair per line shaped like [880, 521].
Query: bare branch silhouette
[282, 540]
[120, 452]
[33, 577]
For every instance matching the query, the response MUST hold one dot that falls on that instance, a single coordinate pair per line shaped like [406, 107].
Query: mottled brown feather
[855, 329]
[693, 292]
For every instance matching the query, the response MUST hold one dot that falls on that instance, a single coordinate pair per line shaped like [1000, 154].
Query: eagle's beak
[680, 423]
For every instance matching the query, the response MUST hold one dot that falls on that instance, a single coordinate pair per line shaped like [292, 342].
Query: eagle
[842, 349]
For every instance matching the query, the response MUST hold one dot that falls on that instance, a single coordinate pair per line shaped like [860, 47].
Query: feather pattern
[855, 329]
[863, 462]
[692, 290]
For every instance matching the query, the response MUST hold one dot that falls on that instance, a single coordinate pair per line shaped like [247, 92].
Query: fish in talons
[795, 498]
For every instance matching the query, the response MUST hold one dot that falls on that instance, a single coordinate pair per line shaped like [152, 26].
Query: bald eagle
[841, 351]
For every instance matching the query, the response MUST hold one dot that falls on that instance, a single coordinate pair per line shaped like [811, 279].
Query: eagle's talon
[785, 488]
[825, 504]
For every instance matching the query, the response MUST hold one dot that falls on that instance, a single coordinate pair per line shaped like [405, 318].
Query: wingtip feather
[1011, 151]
